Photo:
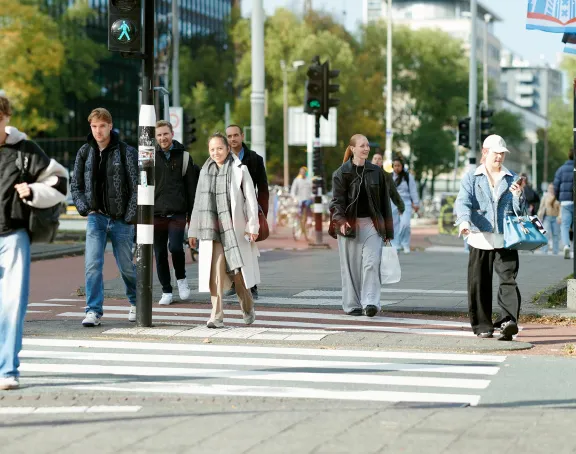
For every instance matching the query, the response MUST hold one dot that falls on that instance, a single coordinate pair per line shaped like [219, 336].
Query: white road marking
[338, 293]
[232, 374]
[248, 349]
[69, 409]
[259, 362]
[390, 329]
[67, 299]
[285, 392]
[49, 305]
[307, 315]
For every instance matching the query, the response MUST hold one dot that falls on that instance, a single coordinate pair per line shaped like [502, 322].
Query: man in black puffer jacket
[176, 178]
[563, 181]
[105, 188]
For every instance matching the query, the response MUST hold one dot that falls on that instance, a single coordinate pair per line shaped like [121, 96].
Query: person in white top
[487, 194]
[301, 191]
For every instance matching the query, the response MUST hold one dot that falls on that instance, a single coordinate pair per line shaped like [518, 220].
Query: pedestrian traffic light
[125, 26]
[328, 88]
[190, 130]
[485, 123]
[313, 90]
[464, 132]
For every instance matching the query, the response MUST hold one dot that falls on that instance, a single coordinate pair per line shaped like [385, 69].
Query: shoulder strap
[185, 160]
[22, 163]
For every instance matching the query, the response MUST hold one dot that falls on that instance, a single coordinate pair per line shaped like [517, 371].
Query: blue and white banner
[555, 16]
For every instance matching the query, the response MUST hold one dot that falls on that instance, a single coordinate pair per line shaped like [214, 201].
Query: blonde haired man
[105, 189]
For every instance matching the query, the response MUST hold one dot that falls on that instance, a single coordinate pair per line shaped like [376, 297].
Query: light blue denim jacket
[476, 205]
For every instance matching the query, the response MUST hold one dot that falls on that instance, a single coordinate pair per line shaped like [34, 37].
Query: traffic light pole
[318, 187]
[146, 170]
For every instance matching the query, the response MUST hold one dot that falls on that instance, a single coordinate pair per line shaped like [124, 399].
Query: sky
[534, 46]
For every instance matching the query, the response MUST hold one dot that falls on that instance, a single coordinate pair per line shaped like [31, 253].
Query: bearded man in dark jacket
[176, 178]
[105, 189]
[257, 170]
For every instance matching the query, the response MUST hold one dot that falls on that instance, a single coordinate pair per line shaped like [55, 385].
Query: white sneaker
[7, 383]
[92, 319]
[166, 299]
[132, 314]
[567, 252]
[183, 289]
[249, 317]
[406, 250]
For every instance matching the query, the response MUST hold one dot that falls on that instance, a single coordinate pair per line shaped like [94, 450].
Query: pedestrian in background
[531, 196]
[175, 181]
[549, 213]
[46, 186]
[406, 186]
[361, 219]
[487, 194]
[301, 192]
[563, 182]
[255, 164]
[225, 221]
[105, 189]
[395, 198]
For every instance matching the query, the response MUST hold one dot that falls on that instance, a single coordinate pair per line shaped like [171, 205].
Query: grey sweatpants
[360, 267]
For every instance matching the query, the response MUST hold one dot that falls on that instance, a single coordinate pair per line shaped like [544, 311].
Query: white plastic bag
[390, 271]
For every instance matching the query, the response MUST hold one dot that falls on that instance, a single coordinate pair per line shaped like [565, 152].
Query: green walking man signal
[125, 26]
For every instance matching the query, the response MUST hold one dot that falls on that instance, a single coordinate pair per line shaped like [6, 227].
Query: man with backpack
[105, 189]
[29, 180]
[176, 178]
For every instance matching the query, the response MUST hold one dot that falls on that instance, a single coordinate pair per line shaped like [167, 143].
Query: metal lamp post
[389, 132]
[295, 65]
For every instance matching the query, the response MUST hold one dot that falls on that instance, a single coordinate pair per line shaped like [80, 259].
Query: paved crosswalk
[134, 368]
[269, 320]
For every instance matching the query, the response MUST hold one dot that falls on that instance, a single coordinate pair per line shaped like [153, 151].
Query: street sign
[300, 129]
[176, 119]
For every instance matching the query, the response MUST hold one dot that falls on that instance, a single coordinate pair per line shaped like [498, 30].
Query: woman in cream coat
[225, 223]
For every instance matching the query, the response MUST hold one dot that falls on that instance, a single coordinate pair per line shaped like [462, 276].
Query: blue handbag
[521, 234]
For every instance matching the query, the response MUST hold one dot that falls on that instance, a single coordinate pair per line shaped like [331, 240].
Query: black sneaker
[486, 335]
[254, 291]
[509, 329]
[370, 311]
[355, 312]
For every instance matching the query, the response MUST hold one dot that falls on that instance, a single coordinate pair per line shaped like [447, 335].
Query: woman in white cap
[487, 194]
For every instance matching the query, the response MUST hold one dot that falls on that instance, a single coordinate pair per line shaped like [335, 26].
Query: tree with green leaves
[30, 51]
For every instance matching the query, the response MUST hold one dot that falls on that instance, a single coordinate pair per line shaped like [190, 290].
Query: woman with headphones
[361, 219]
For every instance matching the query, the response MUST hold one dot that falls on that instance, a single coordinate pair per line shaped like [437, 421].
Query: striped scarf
[215, 213]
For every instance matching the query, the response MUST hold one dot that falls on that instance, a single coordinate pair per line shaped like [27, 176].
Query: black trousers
[481, 267]
[169, 236]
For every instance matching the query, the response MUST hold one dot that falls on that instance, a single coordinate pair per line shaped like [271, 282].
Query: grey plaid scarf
[215, 213]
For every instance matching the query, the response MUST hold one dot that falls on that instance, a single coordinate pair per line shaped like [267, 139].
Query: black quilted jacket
[121, 189]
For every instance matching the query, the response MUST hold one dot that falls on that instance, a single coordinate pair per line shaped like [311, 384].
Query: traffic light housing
[464, 132]
[486, 124]
[125, 26]
[313, 90]
[328, 88]
[189, 130]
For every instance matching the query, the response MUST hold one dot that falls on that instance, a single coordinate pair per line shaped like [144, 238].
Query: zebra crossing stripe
[256, 350]
[259, 362]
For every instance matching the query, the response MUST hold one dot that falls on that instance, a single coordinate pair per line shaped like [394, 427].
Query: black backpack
[43, 223]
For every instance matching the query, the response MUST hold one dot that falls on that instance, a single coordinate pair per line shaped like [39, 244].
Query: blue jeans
[402, 226]
[14, 290]
[98, 230]
[567, 214]
[553, 228]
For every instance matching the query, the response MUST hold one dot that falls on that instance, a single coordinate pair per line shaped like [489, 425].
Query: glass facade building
[118, 78]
